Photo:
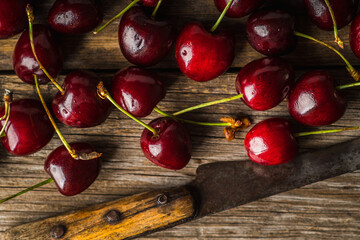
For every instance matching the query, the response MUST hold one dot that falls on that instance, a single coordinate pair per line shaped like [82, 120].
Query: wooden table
[325, 210]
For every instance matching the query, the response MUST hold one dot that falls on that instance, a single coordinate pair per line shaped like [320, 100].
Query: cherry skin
[265, 82]
[143, 40]
[171, 148]
[271, 142]
[48, 51]
[271, 32]
[344, 11]
[238, 8]
[150, 3]
[137, 90]
[314, 101]
[203, 56]
[72, 176]
[80, 106]
[13, 19]
[355, 36]
[29, 128]
[75, 16]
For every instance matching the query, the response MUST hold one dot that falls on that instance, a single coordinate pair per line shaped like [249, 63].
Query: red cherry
[201, 55]
[265, 82]
[271, 142]
[13, 18]
[171, 148]
[150, 3]
[75, 16]
[238, 8]
[355, 36]
[47, 49]
[137, 90]
[314, 101]
[72, 176]
[28, 130]
[79, 105]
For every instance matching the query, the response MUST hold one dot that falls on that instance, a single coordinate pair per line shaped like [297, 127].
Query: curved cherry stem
[8, 98]
[117, 16]
[302, 134]
[156, 8]
[221, 16]
[339, 42]
[208, 104]
[27, 190]
[348, 85]
[29, 11]
[354, 73]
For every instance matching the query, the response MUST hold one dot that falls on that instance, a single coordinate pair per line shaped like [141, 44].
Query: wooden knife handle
[120, 219]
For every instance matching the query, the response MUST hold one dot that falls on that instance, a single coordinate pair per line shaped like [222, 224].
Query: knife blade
[217, 187]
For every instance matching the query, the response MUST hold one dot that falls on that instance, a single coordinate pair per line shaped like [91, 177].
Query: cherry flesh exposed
[355, 36]
[203, 56]
[47, 49]
[271, 142]
[80, 106]
[271, 32]
[137, 90]
[13, 18]
[143, 40]
[72, 176]
[171, 148]
[238, 8]
[75, 16]
[344, 11]
[29, 128]
[265, 82]
[314, 101]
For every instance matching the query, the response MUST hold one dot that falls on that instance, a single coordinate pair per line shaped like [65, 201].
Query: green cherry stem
[339, 42]
[348, 85]
[156, 8]
[117, 16]
[221, 16]
[354, 73]
[7, 99]
[302, 134]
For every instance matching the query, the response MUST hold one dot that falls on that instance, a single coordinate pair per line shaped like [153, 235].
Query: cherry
[271, 142]
[79, 104]
[13, 19]
[203, 56]
[28, 130]
[137, 90]
[72, 176]
[171, 147]
[239, 8]
[265, 82]
[143, 40]
[150, 3]
[75, 16]
[47, 49]
[315, 101]
[355, 36]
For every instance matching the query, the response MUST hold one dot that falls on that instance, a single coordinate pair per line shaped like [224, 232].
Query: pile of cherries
[202, 55]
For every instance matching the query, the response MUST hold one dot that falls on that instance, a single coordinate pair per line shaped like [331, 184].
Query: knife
[218, 186]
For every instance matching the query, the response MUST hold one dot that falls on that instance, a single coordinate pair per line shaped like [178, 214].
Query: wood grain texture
[326, 210]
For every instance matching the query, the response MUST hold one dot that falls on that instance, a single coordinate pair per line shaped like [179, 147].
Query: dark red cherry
[203, 56]
[47, 49]
[13, 19]
[314, 101]
[143, 40]
[29, 128]
[80, 106]
[75, 16]
[171, 148]
[344, 11]
[137, 90]
[150, 3]
[72, 176]
[271, 142]
[271, 32]
[265, 82]
[238, 8]
[355, 36]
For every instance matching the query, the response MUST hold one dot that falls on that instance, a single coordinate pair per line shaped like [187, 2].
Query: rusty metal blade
[225, 185]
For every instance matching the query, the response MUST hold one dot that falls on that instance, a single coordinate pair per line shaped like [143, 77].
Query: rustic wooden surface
[326, 210]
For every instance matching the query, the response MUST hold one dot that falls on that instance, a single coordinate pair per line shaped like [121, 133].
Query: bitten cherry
[238, 8]
[13, 19]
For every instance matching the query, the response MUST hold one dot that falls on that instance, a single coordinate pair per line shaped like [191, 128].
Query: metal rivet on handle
[58, 231]
[113, 216]
[162, 199]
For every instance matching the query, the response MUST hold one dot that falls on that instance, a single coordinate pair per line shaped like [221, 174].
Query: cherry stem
[354, 73]
[27, 190]
[156, 8]
[208, 104]
[104, 93]
[221, 16]
[348, 85]
[8, 98]
[117, 16]
[302, 134]
[339, 42]
[29, 11]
